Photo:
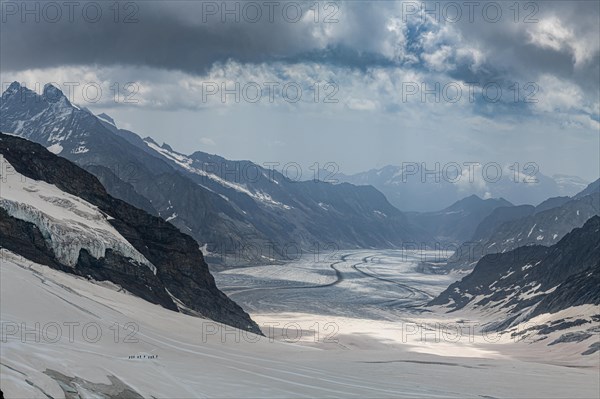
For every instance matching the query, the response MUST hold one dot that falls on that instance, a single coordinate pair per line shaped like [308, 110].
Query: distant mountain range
[54, 213]
[232, 207]
[408, 189]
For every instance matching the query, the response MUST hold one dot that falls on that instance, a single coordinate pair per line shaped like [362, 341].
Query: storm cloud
[187, 36]
[554, 37]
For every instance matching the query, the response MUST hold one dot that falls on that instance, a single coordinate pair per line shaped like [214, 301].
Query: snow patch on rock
[55, 148]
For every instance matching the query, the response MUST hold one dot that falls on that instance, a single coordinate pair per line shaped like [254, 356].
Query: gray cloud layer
[166, 35]
[174, 35]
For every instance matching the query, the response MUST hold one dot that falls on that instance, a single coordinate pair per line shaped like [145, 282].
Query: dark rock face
[119, 188]
[181, 268]
[593, 348]
[25, 239]
[571, 337]
[499, 216]
[578, 289]
[550, 278]
[76, 387]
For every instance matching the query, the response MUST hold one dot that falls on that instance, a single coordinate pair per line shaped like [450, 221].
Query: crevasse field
[345, 325]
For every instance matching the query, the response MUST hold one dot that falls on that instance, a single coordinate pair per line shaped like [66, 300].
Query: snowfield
[64, 335]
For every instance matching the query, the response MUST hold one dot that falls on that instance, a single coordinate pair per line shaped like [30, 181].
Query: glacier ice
[68, 223]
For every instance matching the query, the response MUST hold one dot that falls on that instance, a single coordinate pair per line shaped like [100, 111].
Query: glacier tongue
[67, 222]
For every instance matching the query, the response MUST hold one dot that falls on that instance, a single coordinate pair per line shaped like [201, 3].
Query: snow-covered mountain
[54, 213]
[312, 211]
[552, 288]
[508, 228]
[254, 208]
[414, 188]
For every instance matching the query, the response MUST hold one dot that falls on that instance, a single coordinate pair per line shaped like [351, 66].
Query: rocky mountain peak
[53, 94]
[14, 87]
[107, 118]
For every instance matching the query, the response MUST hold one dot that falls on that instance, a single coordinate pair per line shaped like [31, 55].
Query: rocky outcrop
[533, 280]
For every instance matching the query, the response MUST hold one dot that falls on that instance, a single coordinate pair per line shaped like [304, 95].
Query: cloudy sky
[362, 84]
